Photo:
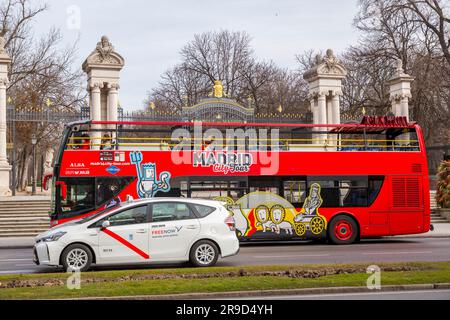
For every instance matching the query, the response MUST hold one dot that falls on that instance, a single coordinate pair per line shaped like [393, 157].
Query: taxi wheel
[76, 257]
[204, 253]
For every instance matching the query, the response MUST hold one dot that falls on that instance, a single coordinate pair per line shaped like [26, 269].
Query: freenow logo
[113, 169]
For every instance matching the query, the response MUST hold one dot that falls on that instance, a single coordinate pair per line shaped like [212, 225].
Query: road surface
[383, 295]
[367, 251]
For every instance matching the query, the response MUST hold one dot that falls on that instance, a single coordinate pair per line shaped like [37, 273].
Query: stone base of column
[5, 170]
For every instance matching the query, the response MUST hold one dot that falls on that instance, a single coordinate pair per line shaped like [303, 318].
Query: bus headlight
[54, 237]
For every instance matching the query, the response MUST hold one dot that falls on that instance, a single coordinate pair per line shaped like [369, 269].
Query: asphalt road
[383, 250]
[382, 295]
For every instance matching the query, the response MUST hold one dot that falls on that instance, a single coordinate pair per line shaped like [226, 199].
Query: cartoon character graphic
[309, 217]
[312, 203]
[262, 215]
[278, 215]
[148, 185]
[267, 212]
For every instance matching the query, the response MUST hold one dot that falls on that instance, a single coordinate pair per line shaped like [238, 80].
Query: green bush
[443, 185]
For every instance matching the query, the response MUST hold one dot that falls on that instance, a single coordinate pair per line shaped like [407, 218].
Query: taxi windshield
[98, 214]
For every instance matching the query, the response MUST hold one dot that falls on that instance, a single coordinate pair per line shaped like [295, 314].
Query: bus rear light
[229, 221]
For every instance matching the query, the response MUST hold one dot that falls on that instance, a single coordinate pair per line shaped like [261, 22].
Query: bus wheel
[76, 257]
[343, 230]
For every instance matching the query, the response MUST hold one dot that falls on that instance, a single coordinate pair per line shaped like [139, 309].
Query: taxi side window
[171, 211]
[131, 216]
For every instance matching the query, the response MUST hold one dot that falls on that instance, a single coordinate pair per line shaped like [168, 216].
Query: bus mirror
[47, 177]
[105, 224]
[63, 187]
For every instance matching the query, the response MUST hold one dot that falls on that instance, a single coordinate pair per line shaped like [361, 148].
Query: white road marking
[12, 260]
[17, 271]
[397, 252]
[292, 256]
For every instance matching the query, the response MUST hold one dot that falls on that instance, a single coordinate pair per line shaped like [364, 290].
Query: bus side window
[295, 192]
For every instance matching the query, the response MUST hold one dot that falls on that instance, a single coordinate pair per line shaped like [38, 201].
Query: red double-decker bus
[280, 181]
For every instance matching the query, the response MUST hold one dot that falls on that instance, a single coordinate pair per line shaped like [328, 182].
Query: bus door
[406, 204]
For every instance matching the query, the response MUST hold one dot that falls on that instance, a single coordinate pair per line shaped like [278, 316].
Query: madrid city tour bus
[279, 181]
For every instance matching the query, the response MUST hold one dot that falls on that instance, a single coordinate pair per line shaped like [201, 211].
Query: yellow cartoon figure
[309, 216]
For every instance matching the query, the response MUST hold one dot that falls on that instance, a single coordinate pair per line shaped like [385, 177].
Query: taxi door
[126, 239]
[172, 230]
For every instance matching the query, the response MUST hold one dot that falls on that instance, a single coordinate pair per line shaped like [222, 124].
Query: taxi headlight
[54, 237]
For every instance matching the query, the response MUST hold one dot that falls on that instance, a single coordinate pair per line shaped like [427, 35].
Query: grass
[433, 272]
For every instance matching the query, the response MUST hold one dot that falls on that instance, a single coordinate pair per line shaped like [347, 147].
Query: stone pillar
[322, 108]
[5, 168]
[96, 114]
[404, 107]
[329, 111]
[3, 156]
[103, 68]
[324, 77]
[336, 109]
[400, 91]
[113, 102]
[395, 108]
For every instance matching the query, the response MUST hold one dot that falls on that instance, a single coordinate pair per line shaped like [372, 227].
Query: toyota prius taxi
[142, 231]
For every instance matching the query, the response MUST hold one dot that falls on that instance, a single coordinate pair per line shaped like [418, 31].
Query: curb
[266, 293]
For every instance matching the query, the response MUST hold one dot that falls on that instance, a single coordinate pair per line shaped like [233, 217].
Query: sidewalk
[17, 243]
[26, 195]
[441, 230]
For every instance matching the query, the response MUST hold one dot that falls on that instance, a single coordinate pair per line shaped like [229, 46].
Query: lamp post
[33, 186]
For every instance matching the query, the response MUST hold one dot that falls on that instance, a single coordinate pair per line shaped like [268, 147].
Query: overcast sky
[150, 34]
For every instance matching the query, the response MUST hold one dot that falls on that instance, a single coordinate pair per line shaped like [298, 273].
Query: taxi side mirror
[105, 224]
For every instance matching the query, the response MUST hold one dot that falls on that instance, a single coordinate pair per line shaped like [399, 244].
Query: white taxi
[142, 231]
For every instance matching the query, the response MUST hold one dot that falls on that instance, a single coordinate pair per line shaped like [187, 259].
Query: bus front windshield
[87, 194]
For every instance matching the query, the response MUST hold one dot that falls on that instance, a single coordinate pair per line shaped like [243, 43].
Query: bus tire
[204, 253]
[343, 230]
[77, 257]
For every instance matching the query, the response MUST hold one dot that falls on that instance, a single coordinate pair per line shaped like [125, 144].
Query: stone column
[323, 77]
[112, 102]
[96, 113]
[329, 111]
[315, 112]
[3, 156]
[404, 108]
[103, 66]
[400, 90]
[322, 110]
[5, 168]
[336, 109]
[395, 109]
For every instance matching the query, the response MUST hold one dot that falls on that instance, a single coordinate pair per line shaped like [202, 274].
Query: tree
[443, 186]
[227, 56]
[39, 72]
[412, 30]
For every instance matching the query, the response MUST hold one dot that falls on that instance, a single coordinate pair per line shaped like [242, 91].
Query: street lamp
[33, 186]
